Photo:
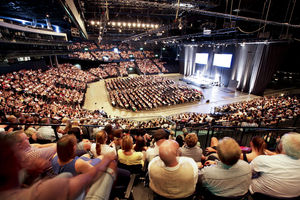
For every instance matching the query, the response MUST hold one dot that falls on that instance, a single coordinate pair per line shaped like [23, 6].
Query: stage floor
[97, 98]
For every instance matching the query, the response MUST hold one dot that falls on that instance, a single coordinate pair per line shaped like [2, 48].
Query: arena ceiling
[168, 21]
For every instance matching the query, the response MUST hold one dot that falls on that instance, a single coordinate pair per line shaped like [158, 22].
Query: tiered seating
[82, 55]
[124, 66]
[110, 54]
[147, 66]
[149, 54]
[160, 65]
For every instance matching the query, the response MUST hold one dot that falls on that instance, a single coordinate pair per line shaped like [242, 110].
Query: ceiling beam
[156, 5]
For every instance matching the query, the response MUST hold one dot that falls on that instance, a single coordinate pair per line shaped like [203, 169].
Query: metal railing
[204, 132]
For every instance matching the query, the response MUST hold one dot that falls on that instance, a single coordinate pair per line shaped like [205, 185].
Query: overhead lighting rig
[157, 31]
[157, 5]
[175, 39]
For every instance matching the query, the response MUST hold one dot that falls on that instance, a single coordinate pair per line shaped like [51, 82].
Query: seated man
[172, 176]
[34, 151]
[159, 136]
[279, 175]
[230, 177]
[46, 132]
[100, 178]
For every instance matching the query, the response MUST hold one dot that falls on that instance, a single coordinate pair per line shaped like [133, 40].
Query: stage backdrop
[252, 66]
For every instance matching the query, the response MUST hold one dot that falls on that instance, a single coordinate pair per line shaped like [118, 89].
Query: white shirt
[152, 152]
[47, 133]
[105, 149]
[279, 176]
[182, 159]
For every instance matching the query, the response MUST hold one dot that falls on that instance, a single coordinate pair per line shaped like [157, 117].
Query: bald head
[168, 152]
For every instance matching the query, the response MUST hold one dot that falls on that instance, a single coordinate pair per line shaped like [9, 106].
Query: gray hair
[291, 144]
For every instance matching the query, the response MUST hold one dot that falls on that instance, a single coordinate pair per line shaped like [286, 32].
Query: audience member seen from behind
[140, 144]
[278, 175]
[66, 159]
[159, 136]
[258, 146]
[100, 147]
[172, 176]
[128, 158]
[190, 148]
[60, 187]
[229, 177]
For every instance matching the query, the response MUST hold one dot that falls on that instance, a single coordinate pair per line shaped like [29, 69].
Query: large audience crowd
[89, 154]
[146, 66]
[83, 45]
[152, 92]
[107, 53]
[78, 168]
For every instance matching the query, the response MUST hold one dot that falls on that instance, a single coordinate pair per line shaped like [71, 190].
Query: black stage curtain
[272, 58]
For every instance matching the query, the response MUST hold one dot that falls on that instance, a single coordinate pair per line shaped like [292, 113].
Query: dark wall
[32, 64]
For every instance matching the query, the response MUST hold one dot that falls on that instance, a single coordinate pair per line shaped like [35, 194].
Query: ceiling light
[148, 25]
[156, 25]
[139, 25]
[120, 30]
[152, 25]
[134, 24]
[143, 25]
[119, 23]
[98, 22]
[108, 23]
[124, 23]
[113, 23]
[129, 24]
[92, 22]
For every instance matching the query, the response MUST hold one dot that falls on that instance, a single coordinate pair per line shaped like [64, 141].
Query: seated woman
[190, 148]
[258, 147]
[100, 147]
[140, 144]
[128, 158]
[66, 161]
